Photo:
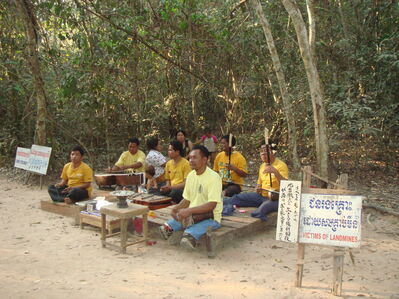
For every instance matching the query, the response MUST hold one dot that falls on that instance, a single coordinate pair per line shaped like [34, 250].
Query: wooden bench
[235, 226]
[62, 208]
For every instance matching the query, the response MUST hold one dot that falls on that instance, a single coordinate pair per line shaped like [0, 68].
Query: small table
[124, 214]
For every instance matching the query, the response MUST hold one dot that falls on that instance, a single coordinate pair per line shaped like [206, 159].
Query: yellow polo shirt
[78, 176]
[127, 158]
[177, 174]
[264, 178]
[237, 160]
[204, 188]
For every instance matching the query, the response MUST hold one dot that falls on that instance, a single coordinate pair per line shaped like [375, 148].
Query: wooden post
[123, 235]
[306, 181]
[103, 233]
[41, 182]
[300, 260]
[338, 271]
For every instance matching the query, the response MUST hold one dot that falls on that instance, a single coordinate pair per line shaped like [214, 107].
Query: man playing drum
[202, 205]
[131, 160]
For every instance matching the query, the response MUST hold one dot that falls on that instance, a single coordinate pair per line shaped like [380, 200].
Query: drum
[154, 202]
[129, 179]
[105, 180]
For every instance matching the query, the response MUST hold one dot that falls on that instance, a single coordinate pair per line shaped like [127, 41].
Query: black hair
[181, 131]
[149, 169]
[233, 140]
[152, 143]
[177, 146]
[203, 150]
[208, 130]
[272, 144]
[134, 140]
[79, 149]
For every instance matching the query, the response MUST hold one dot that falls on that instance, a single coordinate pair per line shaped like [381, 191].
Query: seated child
[149, 175]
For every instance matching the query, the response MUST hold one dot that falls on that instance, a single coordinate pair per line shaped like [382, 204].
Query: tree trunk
[314, 86]
[312, 28]
[292, 143]
[26, 9]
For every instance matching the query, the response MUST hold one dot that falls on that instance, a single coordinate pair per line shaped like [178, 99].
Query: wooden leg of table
[103, 231]
[145, 227]
[123, 235]
[299, 264]
[81, 222]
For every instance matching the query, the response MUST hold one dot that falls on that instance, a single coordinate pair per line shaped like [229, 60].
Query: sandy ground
[43, 255]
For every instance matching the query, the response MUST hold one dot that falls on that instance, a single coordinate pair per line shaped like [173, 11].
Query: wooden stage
[235, 226]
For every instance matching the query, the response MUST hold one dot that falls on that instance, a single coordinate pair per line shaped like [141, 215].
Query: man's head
[133, 146]
[208, 132]
[76, 154]
[224, 142]
[272, 150]
[175, 149]
[198, 157]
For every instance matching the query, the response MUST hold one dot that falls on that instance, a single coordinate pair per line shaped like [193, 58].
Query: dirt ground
[43, 255]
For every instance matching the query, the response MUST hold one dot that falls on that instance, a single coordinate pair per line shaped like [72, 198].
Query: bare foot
[68, 200]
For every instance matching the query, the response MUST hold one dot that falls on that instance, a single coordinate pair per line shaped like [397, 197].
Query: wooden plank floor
[235, 226]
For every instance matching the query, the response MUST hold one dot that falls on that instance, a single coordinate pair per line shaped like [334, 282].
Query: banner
[22, 158]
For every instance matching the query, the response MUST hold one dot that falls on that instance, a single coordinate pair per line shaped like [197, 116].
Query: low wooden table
[94, 219]
[124, 214]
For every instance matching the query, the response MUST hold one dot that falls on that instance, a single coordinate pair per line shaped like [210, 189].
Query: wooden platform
[236, 226]
[62, 208]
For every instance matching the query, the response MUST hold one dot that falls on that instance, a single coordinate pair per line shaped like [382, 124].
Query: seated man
[202, 202]
[232, 169]
[131, 160]
[265, 201]
[75, 182]
[176, 171]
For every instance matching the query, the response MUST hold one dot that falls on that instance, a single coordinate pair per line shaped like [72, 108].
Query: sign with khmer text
[288, 211]
[333, 220]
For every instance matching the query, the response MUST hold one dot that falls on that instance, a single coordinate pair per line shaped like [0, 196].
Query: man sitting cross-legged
[76, 180]
[201, 206]
[265, 201]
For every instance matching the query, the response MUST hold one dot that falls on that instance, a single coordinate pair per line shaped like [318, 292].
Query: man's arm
[83, 186]
[277, 174]
[237, 170]
[207, 207]
[62, 183]
[181, 205]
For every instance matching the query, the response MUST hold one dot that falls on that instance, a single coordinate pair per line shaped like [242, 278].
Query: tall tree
[314, 82]
[289, 114]
[28, 16]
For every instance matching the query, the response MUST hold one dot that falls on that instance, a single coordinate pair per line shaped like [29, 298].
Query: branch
[136, 37]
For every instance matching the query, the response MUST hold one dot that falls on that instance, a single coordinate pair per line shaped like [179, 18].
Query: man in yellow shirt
[131, 160]
[265, 201]
[202, 202]
[75, 182]
[231, 167]
[176, 171]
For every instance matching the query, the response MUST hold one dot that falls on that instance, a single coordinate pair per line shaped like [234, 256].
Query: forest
[321, 75]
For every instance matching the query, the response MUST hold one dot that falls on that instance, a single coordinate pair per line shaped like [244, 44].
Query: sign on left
[22, 158]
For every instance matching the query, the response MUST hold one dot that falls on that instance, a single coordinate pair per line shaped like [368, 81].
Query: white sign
[39, 158]
[288, 211]
[22, 158]
[333, 220]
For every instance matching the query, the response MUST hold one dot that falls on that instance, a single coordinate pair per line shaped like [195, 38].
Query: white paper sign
[333, 220]
[22, 158]
[39, 158]
[288, 211]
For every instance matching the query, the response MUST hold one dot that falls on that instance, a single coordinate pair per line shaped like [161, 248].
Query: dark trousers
[76, 194]
[175, 194]
[230, 189]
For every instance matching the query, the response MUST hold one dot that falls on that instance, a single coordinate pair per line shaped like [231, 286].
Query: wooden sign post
[327, 217]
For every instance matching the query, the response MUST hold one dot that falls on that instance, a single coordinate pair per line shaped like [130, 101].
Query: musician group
[201, 193]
